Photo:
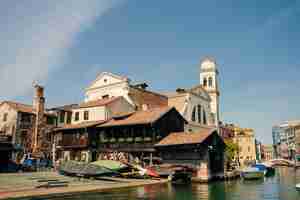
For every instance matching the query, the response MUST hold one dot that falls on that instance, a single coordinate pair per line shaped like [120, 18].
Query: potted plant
[130, 139]
[121, 140]
[112, 140]
[138, 139]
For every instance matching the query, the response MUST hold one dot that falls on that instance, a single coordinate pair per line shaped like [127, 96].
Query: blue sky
[64, 46]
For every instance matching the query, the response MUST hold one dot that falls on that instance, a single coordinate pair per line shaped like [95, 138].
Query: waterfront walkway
[20, 185]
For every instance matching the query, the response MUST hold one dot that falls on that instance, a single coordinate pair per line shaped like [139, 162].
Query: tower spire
[209, 75]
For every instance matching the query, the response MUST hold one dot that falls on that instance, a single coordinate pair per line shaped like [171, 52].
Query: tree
[231, 150]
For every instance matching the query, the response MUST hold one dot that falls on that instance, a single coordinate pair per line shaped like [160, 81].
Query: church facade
[199, 105]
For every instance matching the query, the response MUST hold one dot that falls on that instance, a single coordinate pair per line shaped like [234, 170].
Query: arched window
[204, 117]
[210, 82]
[199, 113]
[205, 82]
[194, 114]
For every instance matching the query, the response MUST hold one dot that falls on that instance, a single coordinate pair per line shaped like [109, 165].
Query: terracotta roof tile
[151, 99]
[68, 107]
[20, 107]
[138, 117]
[80, 125]
[179, 138]
[100, 102]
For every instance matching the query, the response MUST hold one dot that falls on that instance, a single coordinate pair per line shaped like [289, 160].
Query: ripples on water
[279, 187]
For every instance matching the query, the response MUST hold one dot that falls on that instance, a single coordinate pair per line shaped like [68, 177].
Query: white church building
[199, 105]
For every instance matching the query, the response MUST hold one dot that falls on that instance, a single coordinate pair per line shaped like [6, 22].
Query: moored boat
[81, 169]
[267, 169]
[298, 186]
[110, 164]
[252, 173]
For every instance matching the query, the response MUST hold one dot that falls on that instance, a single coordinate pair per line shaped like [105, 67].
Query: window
[69, 117]
[50, 120]
[210, 82]
[204, 117]
[5, 117]
[86, 115]
[76, 116]
[205, 82]
[199, 113]
[249, 149]
[62, 117]
[25, 118]
[194, 114]
[105, 96]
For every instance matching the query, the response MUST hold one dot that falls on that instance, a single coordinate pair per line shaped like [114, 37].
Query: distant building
[226, 131]
[267, 152]
[297, 141]
[245, 139]
[258, 150]
[284, 139]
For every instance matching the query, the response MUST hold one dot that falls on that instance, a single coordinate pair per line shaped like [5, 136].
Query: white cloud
[36, 35]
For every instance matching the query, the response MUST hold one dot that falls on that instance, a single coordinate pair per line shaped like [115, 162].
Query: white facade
[209, 80]
[194, 106]
[108, 85]
[94, 114]
[8, 119]
[99, 113]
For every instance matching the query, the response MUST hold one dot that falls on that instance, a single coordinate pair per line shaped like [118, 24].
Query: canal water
[279, 187]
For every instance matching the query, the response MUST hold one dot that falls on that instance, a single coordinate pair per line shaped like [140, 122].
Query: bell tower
[209, 76]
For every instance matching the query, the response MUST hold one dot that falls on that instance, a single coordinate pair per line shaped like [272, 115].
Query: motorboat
[252, 173]
[267, 169]
[298, 186]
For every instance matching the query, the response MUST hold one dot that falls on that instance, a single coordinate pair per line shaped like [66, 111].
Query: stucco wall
[11, 121]
[95, 114]
[107, 85]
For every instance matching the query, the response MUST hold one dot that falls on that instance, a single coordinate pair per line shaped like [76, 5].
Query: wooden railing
[5, 138]
[25, 125]
[74, 143]
[133, 146]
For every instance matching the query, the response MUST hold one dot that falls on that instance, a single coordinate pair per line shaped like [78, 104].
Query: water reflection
[279, 187]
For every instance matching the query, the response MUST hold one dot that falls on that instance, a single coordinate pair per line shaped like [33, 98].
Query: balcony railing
[25, 125]
[74, 143]
[128, 146]
[5, 138]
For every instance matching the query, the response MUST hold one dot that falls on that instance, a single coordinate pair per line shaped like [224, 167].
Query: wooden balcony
[127, 147]
[73, 143]
[25, 125]
[5, 139]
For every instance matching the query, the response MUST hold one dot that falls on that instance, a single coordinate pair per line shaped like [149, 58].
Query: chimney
[142, 86]
[39, 108]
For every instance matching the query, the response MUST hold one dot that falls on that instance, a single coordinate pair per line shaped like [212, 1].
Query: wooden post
[151, 162]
